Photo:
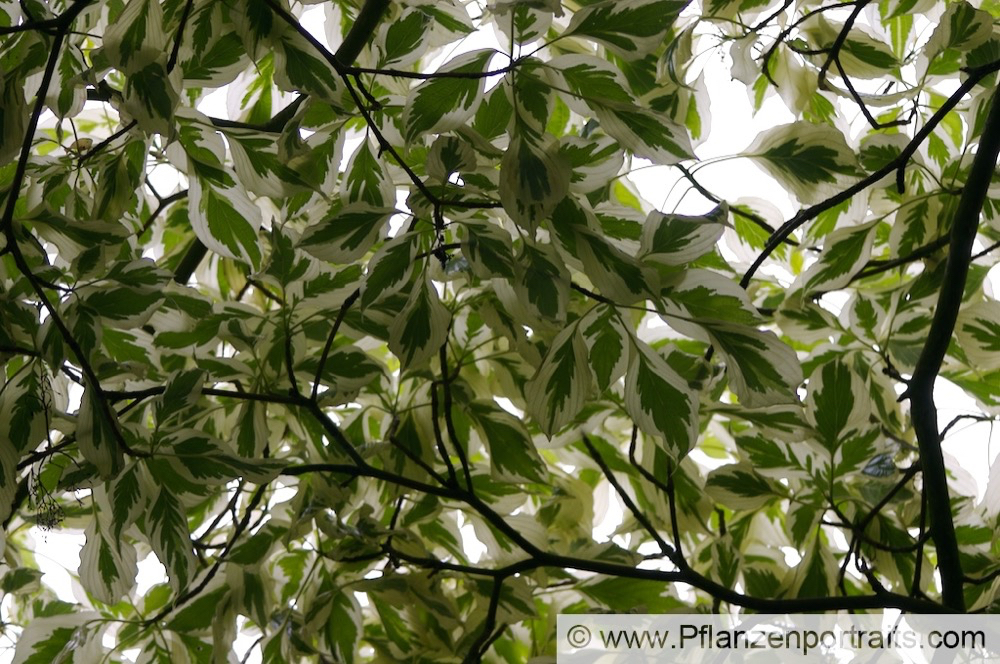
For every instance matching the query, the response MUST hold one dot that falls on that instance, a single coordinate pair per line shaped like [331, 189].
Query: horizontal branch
[539, 558]
[879, 266]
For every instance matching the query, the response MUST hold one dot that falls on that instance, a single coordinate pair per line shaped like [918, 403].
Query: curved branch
[629, 503]
[542, 558]
[838, 43]
[766, 62]
[753, 218]
[921, 388]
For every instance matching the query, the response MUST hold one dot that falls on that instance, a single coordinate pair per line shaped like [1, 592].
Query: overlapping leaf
[446, 103]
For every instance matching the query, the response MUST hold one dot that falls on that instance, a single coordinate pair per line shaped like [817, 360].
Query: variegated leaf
[421, 328]
[533, 180]
[631, 28]
[347, 234]
[562, 383]
[660, 401]
[442, 104]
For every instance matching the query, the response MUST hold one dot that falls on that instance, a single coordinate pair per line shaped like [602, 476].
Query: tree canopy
[363, 360]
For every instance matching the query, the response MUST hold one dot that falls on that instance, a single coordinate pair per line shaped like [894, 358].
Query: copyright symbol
[578, 636]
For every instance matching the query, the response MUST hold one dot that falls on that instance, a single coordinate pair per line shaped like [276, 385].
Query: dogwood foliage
[364, 374]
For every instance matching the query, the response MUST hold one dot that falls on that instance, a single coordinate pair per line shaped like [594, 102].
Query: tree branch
[789, 227]
[329, 340]
[361, 31]
[629, 503]
[478, 649]
[921, 389]
[449, 422]
[64, 22]
[834, 52]
[877, 267]
[194, 592]
[753, 218]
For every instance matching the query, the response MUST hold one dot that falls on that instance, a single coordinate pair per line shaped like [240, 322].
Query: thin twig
[629, 504]
[348, 302]
[789, 227]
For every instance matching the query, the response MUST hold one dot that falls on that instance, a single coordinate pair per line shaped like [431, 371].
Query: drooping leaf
[660, 401]
[151, 96]
[533, 180]
[168, 535]
[23, 399]
[441, 104]
[389, 269]
[107, 566]
[558, 389]
[421, 328]
[221, 213]
[542, 283]
[365, 180]
[251, 432]
[811, 160]
[837, 401]
[96, 437]
[13, 119]
[488, 249]
[607, 345]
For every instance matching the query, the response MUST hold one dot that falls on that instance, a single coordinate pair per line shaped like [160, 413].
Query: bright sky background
[973, 445]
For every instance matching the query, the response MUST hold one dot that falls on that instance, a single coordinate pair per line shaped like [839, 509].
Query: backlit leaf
[512, 454]
[446, 103]
[421, 328]
[660, 401]
[533, 179]
[558, 389]
[811, 160]
[347, 234]
[675, 239]
[632, 28]
[136, 38]
[978, 332]
[168, 535]
[762, 370]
